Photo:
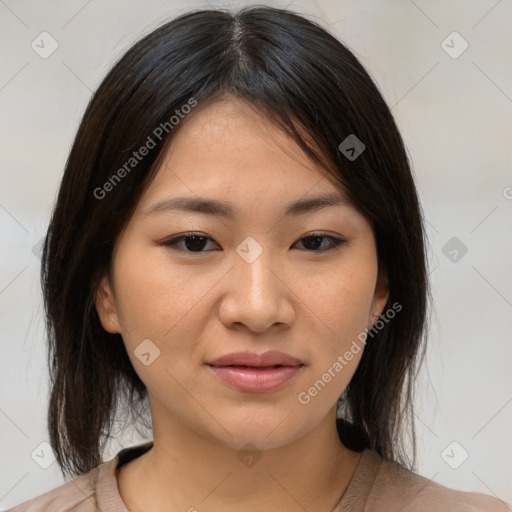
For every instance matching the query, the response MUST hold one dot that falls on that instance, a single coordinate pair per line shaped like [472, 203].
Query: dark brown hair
[313, 87]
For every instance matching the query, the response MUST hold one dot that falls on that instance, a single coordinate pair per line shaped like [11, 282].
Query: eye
[195, 242]
[313, 240]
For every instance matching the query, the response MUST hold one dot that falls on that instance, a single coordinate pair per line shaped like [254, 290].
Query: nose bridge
[256, 296]
[254, 269]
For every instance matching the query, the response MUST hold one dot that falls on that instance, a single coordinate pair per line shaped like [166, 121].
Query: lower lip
[254, 380]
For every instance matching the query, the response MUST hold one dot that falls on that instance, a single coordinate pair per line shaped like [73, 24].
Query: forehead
[229, 149]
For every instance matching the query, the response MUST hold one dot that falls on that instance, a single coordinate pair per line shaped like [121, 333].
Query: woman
[238, 240]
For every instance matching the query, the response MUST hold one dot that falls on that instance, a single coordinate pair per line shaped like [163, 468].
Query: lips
[249, 372]
[271, 358]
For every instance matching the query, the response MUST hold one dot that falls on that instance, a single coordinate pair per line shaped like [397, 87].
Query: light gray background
[454, 114]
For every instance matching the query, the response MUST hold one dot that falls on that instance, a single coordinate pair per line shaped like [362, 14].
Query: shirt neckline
[353, 498]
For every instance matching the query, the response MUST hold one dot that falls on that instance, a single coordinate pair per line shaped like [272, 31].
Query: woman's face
[254, 283]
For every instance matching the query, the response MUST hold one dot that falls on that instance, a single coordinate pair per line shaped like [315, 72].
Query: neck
[187, 471]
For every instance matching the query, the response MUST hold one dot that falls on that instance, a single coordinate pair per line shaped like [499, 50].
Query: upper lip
[269, 358]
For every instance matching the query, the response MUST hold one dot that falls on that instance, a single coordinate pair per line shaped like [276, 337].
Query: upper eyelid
[336, 239]
[198, 233]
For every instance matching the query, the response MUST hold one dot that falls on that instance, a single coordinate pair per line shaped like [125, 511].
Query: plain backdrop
[453, 106]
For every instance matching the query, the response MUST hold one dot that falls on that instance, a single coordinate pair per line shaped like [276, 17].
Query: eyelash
[173, 242]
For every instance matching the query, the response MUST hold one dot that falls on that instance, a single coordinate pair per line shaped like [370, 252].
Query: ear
[380, 296]
[106, 307]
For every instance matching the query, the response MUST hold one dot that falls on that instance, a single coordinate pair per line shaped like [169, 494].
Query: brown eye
[196, 242]
[314, 241]
[193, 242]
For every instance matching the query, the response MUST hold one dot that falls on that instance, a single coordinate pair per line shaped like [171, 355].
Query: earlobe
[105, 306]
[380, 296]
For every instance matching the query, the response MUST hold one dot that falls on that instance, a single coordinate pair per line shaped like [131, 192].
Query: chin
[263, 434]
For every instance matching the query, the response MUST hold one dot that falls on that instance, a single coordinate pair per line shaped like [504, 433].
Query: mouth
[252, 366]
[250, 372]
[256, 379]
[268, 359]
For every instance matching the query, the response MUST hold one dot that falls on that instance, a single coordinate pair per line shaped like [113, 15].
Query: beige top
[376, 486]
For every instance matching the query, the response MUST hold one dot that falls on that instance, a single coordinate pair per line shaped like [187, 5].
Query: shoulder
[95, 491]
[400, 487]
[76, 495]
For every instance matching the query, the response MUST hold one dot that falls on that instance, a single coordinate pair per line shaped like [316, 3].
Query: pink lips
[256, 373]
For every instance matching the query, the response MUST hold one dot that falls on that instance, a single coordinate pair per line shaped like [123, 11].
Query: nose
[257, 295]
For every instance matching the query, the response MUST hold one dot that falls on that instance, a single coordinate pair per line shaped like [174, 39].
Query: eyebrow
[215, 207]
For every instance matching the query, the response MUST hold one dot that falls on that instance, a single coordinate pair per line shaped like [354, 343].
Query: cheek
[340, 299]
[337, 343]
[159, 313]
[160, 301]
